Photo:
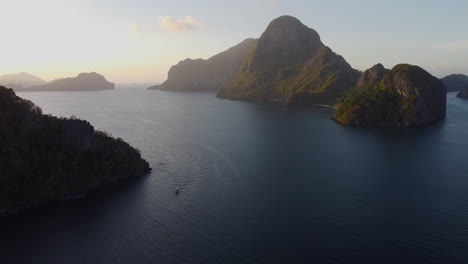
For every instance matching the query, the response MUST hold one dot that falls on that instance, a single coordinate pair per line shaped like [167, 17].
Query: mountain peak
[286, 41]
[374, 74]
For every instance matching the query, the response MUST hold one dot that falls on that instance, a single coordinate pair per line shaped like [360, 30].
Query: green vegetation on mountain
[290, 64]
[44, 158]
[405, 96]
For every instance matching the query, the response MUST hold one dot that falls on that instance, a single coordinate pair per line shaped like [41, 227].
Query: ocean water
[260, 184]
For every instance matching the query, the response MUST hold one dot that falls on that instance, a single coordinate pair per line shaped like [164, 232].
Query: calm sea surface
[260, 184]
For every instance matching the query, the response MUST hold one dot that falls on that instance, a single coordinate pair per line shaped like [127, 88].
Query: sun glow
[53, 39]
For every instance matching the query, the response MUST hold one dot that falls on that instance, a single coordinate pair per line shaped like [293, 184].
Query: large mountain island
[455, 82]
[207, 75]
[83, 82]
[45, 158]
[407, 95]
[291, 64]
[20, 80]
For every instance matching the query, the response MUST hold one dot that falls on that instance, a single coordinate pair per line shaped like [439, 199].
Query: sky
[137, 41]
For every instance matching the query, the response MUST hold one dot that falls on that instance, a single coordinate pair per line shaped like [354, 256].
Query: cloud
[135, 27]
[179, 25]
[135, 30]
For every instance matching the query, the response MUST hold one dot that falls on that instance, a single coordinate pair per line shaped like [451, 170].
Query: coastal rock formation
[20, 80]
[291, 64]
[455, 82]
[207, 75]
[405, 96]
[374, 74]
[83, 82]
[44, 158]
[463, 92]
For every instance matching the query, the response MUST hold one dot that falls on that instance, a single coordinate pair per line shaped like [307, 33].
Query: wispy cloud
[135, 30]
[179, 25]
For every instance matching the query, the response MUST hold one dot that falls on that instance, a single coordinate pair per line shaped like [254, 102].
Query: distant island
[20, 80]
[83, 82]
[45, 159]
[463, 92]
[455, 82]
[407, 95]
[207, 75]
[290, 64]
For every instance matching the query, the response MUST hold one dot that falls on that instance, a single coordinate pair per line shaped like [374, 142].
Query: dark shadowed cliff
[83, 82]
[291, 64]
[44, 158]
[463, 92]
[404, 96]
[207, 75]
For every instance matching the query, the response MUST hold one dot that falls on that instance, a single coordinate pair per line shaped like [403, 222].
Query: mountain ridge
[207, 75]
[91, 81]
[291, 64]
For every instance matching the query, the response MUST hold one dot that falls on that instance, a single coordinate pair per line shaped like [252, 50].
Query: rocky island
[20, 80]
[407, 95]
[45, 159]
[290, 64]
[207, 75]
[463, 92]
[83, 82]
[455, 82]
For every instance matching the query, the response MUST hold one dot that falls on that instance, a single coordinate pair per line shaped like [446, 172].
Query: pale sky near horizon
[139, 40]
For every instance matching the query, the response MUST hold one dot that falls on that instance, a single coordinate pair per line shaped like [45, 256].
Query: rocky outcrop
[374, 74]
[463, 93]
[83, 82]
[405, 96]
[455, 82]
[291, 64]
[45, 159]
[207, 75]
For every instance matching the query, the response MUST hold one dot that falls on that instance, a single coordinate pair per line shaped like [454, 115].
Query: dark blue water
[261, 184]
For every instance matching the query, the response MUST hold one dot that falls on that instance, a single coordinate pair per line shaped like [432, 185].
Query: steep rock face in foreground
[405, 96]
[455, 82]
[207, 75]
[290, 64]
[463, 93]
[83, 82]
[45, 159]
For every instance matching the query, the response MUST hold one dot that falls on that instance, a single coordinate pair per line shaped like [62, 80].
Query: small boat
[177, 190]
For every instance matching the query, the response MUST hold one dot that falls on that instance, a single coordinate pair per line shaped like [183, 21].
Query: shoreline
[79, 195]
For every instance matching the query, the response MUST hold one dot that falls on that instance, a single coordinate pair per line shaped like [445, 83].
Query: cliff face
[405, 96]
[374, 74]
[83, 82]
[463, 93]
[45, 159]
[285, 42]
[290, 64]
[455, 82]
[207, 75]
